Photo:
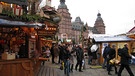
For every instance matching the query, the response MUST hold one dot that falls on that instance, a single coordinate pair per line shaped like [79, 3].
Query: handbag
[114, 61]
[62, 66]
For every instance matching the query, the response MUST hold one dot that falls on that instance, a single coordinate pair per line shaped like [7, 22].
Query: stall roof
[19, 2]
[8, 23]
[112, 39]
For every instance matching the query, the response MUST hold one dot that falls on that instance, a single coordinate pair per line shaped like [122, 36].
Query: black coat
[112, 53]
[106, 51]
[125, 57]
[67, 54]
[80, 54]
[62, 52]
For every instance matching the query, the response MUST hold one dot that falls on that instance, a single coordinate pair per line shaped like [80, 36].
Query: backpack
[120, 51]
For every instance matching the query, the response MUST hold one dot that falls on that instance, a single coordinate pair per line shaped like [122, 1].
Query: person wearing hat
[124, 61]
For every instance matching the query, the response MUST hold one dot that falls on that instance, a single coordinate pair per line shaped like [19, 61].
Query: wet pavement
[98, 71]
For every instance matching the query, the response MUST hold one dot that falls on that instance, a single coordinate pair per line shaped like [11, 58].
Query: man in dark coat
[105, 53]
[66, 58]
[125, 61]
[89, 55]
[61, 54]
[80, 57]
[22, 51]
[52, 53]
[111, 55]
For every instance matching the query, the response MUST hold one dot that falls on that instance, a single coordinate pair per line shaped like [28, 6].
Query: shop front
[16, 41]
[21, 45]
[132, 35]
[118, 41]
[22, 37]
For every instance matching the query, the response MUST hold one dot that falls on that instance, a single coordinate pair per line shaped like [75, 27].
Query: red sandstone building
[72, 30]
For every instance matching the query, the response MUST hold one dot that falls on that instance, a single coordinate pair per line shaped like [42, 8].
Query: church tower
[65, 27]
[99, 24]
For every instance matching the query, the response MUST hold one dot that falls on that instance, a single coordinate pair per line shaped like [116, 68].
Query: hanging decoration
[17, 10]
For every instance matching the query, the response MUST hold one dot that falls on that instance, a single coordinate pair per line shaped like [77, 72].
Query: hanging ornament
[17, 10]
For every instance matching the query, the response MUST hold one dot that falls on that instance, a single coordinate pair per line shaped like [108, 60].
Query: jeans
[66, 67]
[104, 63]
[89, 60]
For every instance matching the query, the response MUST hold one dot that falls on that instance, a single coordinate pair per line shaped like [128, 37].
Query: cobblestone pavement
[89, 71]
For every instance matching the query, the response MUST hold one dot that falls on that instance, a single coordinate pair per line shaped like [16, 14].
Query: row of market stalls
[118, 41]
[22, 33]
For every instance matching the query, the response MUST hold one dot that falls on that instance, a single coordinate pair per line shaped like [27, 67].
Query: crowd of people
[109, 54]
[65, 53]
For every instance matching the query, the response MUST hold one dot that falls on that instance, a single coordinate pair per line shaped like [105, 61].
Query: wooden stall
[132, 43]
[118, 41]
[22, 31]
[19, 67]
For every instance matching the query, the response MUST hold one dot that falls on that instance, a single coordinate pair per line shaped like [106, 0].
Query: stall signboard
[45, 33]
[49, 31]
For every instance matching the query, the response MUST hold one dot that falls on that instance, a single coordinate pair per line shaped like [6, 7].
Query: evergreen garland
[26, 17]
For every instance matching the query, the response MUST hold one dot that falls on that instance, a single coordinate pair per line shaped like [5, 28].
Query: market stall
[21, 36]
[118, 41]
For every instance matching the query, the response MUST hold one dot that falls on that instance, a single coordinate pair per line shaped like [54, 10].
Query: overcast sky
[118, 15]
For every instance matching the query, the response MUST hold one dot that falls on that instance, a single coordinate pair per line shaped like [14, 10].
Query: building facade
[65, 26]
[79, 30]
[73, 30]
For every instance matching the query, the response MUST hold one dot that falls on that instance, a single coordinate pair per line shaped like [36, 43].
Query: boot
[109, 73]
[72, 68]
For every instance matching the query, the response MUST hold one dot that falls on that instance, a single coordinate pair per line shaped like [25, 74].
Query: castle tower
[65, 27]
[99, 24]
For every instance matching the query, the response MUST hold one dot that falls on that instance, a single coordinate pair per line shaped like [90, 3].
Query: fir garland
[26, 17]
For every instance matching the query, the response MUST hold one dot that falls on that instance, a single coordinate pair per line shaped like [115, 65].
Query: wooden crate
[7, 56]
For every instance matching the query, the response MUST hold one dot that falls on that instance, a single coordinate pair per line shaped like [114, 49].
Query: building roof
[113, 39]
[99, 17]
[77, 24]
[62, 4]
[131, 30]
